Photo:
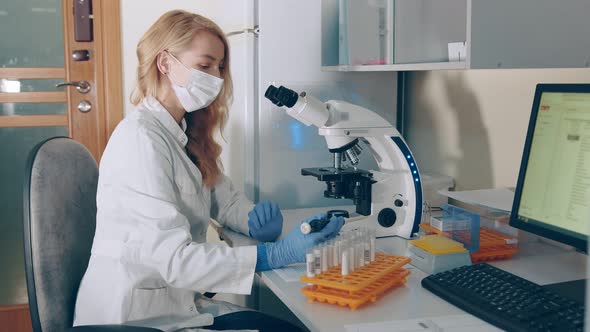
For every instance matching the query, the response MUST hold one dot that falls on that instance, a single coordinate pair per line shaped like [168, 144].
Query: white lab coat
[149, 259]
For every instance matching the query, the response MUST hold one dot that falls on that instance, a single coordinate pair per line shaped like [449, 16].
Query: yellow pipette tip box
[438, 245]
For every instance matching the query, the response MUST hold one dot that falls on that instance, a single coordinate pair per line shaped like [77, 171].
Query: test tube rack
[366, 284]
[493, 245]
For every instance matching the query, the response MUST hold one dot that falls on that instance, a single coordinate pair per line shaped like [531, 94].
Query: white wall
[471, 125]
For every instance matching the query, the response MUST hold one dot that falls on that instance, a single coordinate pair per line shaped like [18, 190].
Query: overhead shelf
[414, 35]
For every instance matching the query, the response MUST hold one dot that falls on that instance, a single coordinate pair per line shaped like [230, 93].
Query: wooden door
[39, 50]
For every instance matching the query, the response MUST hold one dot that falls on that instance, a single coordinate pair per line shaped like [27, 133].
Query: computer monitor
[552, 197]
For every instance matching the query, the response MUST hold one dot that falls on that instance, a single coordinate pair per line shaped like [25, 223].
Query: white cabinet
[414, 34]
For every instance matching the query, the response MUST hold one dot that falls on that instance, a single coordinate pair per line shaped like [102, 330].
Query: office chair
[59, 221]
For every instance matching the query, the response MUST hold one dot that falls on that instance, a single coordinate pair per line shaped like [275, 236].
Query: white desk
[538, 262]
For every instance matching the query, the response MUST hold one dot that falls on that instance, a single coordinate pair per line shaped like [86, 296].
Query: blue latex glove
[292, 248]
[265, 221]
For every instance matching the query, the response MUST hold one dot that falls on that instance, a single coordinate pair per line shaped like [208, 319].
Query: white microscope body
[391, 197]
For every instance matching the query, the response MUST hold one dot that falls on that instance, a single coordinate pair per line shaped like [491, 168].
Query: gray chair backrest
[59, 221]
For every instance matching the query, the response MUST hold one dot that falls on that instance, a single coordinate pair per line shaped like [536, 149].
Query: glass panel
[357, 32]
[39, 41]
[15, 144]
[32, 109]
[14, 86]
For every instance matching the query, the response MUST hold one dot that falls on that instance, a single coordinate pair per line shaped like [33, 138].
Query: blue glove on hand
[265, 221]
[292, 248]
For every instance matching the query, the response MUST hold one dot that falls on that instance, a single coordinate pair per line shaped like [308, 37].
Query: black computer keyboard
[505, 300]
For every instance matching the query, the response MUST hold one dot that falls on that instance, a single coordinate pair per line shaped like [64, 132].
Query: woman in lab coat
[161, 180]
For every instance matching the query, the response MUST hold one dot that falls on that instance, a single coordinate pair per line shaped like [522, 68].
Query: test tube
[360, 251]
[324, 263]
[310, 263]
[367, 247]
[340, 247]
[344, 265]
[372, 244]
[335, 255]
[351, 256]
[317, 252]
[327, 249]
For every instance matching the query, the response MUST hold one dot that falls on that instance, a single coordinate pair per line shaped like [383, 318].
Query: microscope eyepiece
[287, 96]
[271, 94]
[281, 96]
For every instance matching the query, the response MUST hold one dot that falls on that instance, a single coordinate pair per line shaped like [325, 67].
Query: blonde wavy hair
[174, 32]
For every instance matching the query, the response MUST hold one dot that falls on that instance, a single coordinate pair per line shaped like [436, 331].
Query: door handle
[82, 86]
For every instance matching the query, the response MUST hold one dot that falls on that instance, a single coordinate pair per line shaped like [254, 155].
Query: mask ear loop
[175, 58]
[174, 77]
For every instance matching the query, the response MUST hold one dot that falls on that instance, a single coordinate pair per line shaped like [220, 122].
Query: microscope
[390, 197]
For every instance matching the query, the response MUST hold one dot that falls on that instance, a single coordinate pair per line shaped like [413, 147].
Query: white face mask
[195, 89]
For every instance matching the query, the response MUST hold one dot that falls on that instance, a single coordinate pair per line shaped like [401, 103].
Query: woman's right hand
[292, 248]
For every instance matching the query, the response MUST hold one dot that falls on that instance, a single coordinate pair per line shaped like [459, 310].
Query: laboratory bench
[538, 261]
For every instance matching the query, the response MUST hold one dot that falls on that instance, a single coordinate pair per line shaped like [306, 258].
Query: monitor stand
[573, 290]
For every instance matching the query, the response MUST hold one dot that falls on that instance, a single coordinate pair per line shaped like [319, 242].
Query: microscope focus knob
[386, 217]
